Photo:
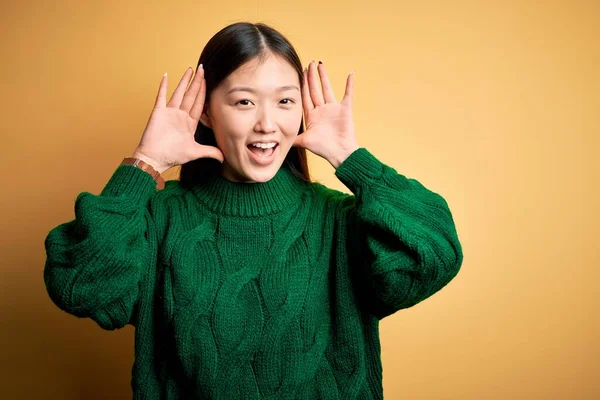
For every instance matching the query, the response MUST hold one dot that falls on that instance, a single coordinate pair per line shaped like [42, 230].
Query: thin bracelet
[144, 166]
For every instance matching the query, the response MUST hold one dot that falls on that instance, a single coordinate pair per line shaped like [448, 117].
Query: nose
[265, 121]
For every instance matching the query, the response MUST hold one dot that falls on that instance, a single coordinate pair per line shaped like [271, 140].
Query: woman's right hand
[168, 139]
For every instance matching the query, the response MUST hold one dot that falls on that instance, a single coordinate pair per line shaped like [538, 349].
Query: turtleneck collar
[251, 199]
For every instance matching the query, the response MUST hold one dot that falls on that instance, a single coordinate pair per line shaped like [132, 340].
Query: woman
[244, 279]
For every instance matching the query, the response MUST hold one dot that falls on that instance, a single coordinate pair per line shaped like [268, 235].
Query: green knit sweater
[254, 290]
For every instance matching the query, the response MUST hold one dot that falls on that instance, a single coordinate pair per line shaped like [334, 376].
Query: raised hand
[168, 139]
[329, 124]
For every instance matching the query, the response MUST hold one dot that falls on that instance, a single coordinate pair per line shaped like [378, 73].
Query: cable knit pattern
[267, 290]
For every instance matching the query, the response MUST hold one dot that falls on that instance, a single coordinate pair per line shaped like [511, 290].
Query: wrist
[150, 161]
[341, 155]
[139, 161]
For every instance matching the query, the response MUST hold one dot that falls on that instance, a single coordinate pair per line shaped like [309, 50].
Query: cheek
[291, 124]
[231, 129]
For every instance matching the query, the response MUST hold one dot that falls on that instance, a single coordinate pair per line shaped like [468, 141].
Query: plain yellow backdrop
[494, 105]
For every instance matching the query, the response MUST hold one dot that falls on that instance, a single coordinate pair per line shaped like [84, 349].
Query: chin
[258, 174]
[250, 173]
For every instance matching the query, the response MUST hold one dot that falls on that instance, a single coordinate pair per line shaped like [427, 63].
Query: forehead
[273, 71]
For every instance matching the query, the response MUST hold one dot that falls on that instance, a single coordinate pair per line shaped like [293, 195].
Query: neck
[231, 174]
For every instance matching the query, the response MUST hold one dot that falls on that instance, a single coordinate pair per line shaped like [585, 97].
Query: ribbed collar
[251, 199]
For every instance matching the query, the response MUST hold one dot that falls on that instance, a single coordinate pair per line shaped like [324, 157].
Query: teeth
[264, 145]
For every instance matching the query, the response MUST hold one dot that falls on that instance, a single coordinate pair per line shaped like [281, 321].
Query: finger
[328, 94]
[306, 100]
[196, 110]
[192, 92]
[161, 97]
[180, 89]
[349, 94]
[314, 86]
[204, 151]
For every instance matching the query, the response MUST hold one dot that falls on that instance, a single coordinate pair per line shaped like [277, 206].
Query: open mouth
[264, 151]
[263, 154]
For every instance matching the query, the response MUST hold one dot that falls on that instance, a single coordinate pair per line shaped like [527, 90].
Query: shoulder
[172, 189]
[332, 197]
[171, 195]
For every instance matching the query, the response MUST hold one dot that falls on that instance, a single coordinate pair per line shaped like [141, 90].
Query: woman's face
[259, 103]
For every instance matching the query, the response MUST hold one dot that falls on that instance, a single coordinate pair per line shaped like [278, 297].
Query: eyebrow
[248, 89]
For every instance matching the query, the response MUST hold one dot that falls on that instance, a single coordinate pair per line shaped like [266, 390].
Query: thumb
[204, 151]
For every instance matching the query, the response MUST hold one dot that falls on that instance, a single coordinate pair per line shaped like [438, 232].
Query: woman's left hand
[329, 125]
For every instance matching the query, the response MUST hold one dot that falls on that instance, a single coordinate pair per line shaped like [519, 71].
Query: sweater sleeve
[401, 235]
[95, 262]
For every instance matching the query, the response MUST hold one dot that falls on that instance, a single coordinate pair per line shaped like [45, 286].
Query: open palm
[168, 138]
[329, 123]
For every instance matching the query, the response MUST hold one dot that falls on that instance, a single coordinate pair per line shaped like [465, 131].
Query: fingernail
[320, 62]
[200, 66]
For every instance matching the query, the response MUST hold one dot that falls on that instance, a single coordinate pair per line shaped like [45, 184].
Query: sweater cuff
[132, 182]
[359, 168]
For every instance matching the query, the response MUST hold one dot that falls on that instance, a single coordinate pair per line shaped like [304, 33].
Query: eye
[244, 102]
[289, 101]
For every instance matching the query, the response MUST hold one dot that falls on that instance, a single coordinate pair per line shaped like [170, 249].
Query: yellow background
[494, 105]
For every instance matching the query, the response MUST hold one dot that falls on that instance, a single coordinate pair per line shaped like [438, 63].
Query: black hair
[227, 50]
